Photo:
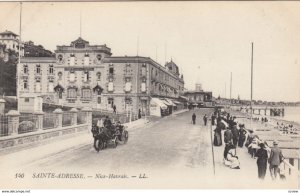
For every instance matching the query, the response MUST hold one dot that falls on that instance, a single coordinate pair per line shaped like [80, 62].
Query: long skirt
[241, 141]
[217, 139]
[262, 168]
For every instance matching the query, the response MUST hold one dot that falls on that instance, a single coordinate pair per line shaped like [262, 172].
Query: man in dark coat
[242, 135]
[205, 119]
[194, 118]
[275, 159]
[228, 141]
[262, 160]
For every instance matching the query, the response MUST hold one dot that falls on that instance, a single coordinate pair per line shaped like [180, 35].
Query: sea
[291, 114]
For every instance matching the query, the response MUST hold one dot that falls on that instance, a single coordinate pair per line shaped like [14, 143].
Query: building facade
[198, 97]
[11, 40]
[88, 75]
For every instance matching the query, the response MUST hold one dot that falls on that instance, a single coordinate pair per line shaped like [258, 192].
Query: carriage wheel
[100, 145]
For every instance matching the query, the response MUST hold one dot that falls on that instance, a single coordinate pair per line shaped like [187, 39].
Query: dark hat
[262, 145]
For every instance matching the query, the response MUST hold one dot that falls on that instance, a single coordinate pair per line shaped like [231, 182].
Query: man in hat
[262, 160]
[275, 159]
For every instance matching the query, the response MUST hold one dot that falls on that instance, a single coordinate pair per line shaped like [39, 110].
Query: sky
[207, 40]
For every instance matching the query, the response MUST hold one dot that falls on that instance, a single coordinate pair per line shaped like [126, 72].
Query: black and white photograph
[150, 95]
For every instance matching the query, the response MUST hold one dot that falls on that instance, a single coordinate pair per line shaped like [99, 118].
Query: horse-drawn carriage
[110, 135]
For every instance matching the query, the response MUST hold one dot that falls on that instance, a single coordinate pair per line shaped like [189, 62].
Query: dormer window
[99, 57]
[60, 57]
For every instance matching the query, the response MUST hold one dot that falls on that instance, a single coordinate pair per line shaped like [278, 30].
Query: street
[168, 147]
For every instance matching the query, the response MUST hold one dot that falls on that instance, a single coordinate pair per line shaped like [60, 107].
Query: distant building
[11, 40]
[199, 97]
[4, 54]
[83, 75]
[31, 50]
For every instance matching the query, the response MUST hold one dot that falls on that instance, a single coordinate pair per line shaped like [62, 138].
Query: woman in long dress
[218, 134]
[242, 135]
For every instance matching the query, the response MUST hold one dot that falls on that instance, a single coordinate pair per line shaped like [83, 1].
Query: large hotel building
[88, 75]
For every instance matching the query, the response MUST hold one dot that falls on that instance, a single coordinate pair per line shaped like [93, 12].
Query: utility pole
[230, 88]
[19, 55]
[251, 85]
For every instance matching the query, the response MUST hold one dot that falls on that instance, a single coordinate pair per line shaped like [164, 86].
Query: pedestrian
[262, 160]
[194, 118]
[235, 134]
[140, 114]
[213, 117]
[218, 136]
[115, 109]
[275, 159]
[205, 119]
[228, 141]
[242, 135]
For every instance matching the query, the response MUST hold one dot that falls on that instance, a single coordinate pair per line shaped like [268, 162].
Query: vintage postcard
[150, 95]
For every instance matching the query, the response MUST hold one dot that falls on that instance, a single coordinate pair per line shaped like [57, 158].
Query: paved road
[170, 147]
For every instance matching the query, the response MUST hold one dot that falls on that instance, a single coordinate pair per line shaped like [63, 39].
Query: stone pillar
[40, 119]
[88, 115]
[13, 122]
[259, 111]
[74, 112]
[58, 122]
[265, 111]
[2, 106]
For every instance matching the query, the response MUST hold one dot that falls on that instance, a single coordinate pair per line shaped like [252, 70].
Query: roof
[8, 33]
[79, 40]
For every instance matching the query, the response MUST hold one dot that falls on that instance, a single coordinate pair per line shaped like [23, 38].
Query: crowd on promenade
[237, 136]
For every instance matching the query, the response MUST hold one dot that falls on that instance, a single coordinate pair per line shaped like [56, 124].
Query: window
[60, 95]
[26, 100]
[86, 60]
[59, 76]
[25, 69]
[38, 87]
[99, 57]
[99, 100]
[72, 77]
[111, 70]
[60, 57]
[51, 69]
[25, 84]
[86, 76]
[72, 60]
[71, 93]
[111, 102]
[38, 69]
[86, 93]
[98, 76]
[110, 86]
[50, 87]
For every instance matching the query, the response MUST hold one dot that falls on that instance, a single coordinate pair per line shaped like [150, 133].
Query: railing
[3, 125]
[49, 121]
[289, 170]
[27, 123]
[67, 119]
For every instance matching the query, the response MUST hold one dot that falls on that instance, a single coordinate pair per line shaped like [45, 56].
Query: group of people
[287, 128]
[236, 135]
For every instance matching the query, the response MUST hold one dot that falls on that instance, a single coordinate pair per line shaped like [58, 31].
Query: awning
[177, 102]
[171, 102]
[166, 102]
[183, 98]
[159, 102]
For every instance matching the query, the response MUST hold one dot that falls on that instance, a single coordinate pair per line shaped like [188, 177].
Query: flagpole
[251, 86]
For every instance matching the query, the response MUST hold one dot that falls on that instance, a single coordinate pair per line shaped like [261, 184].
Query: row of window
[37, 69]
[72, 60]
